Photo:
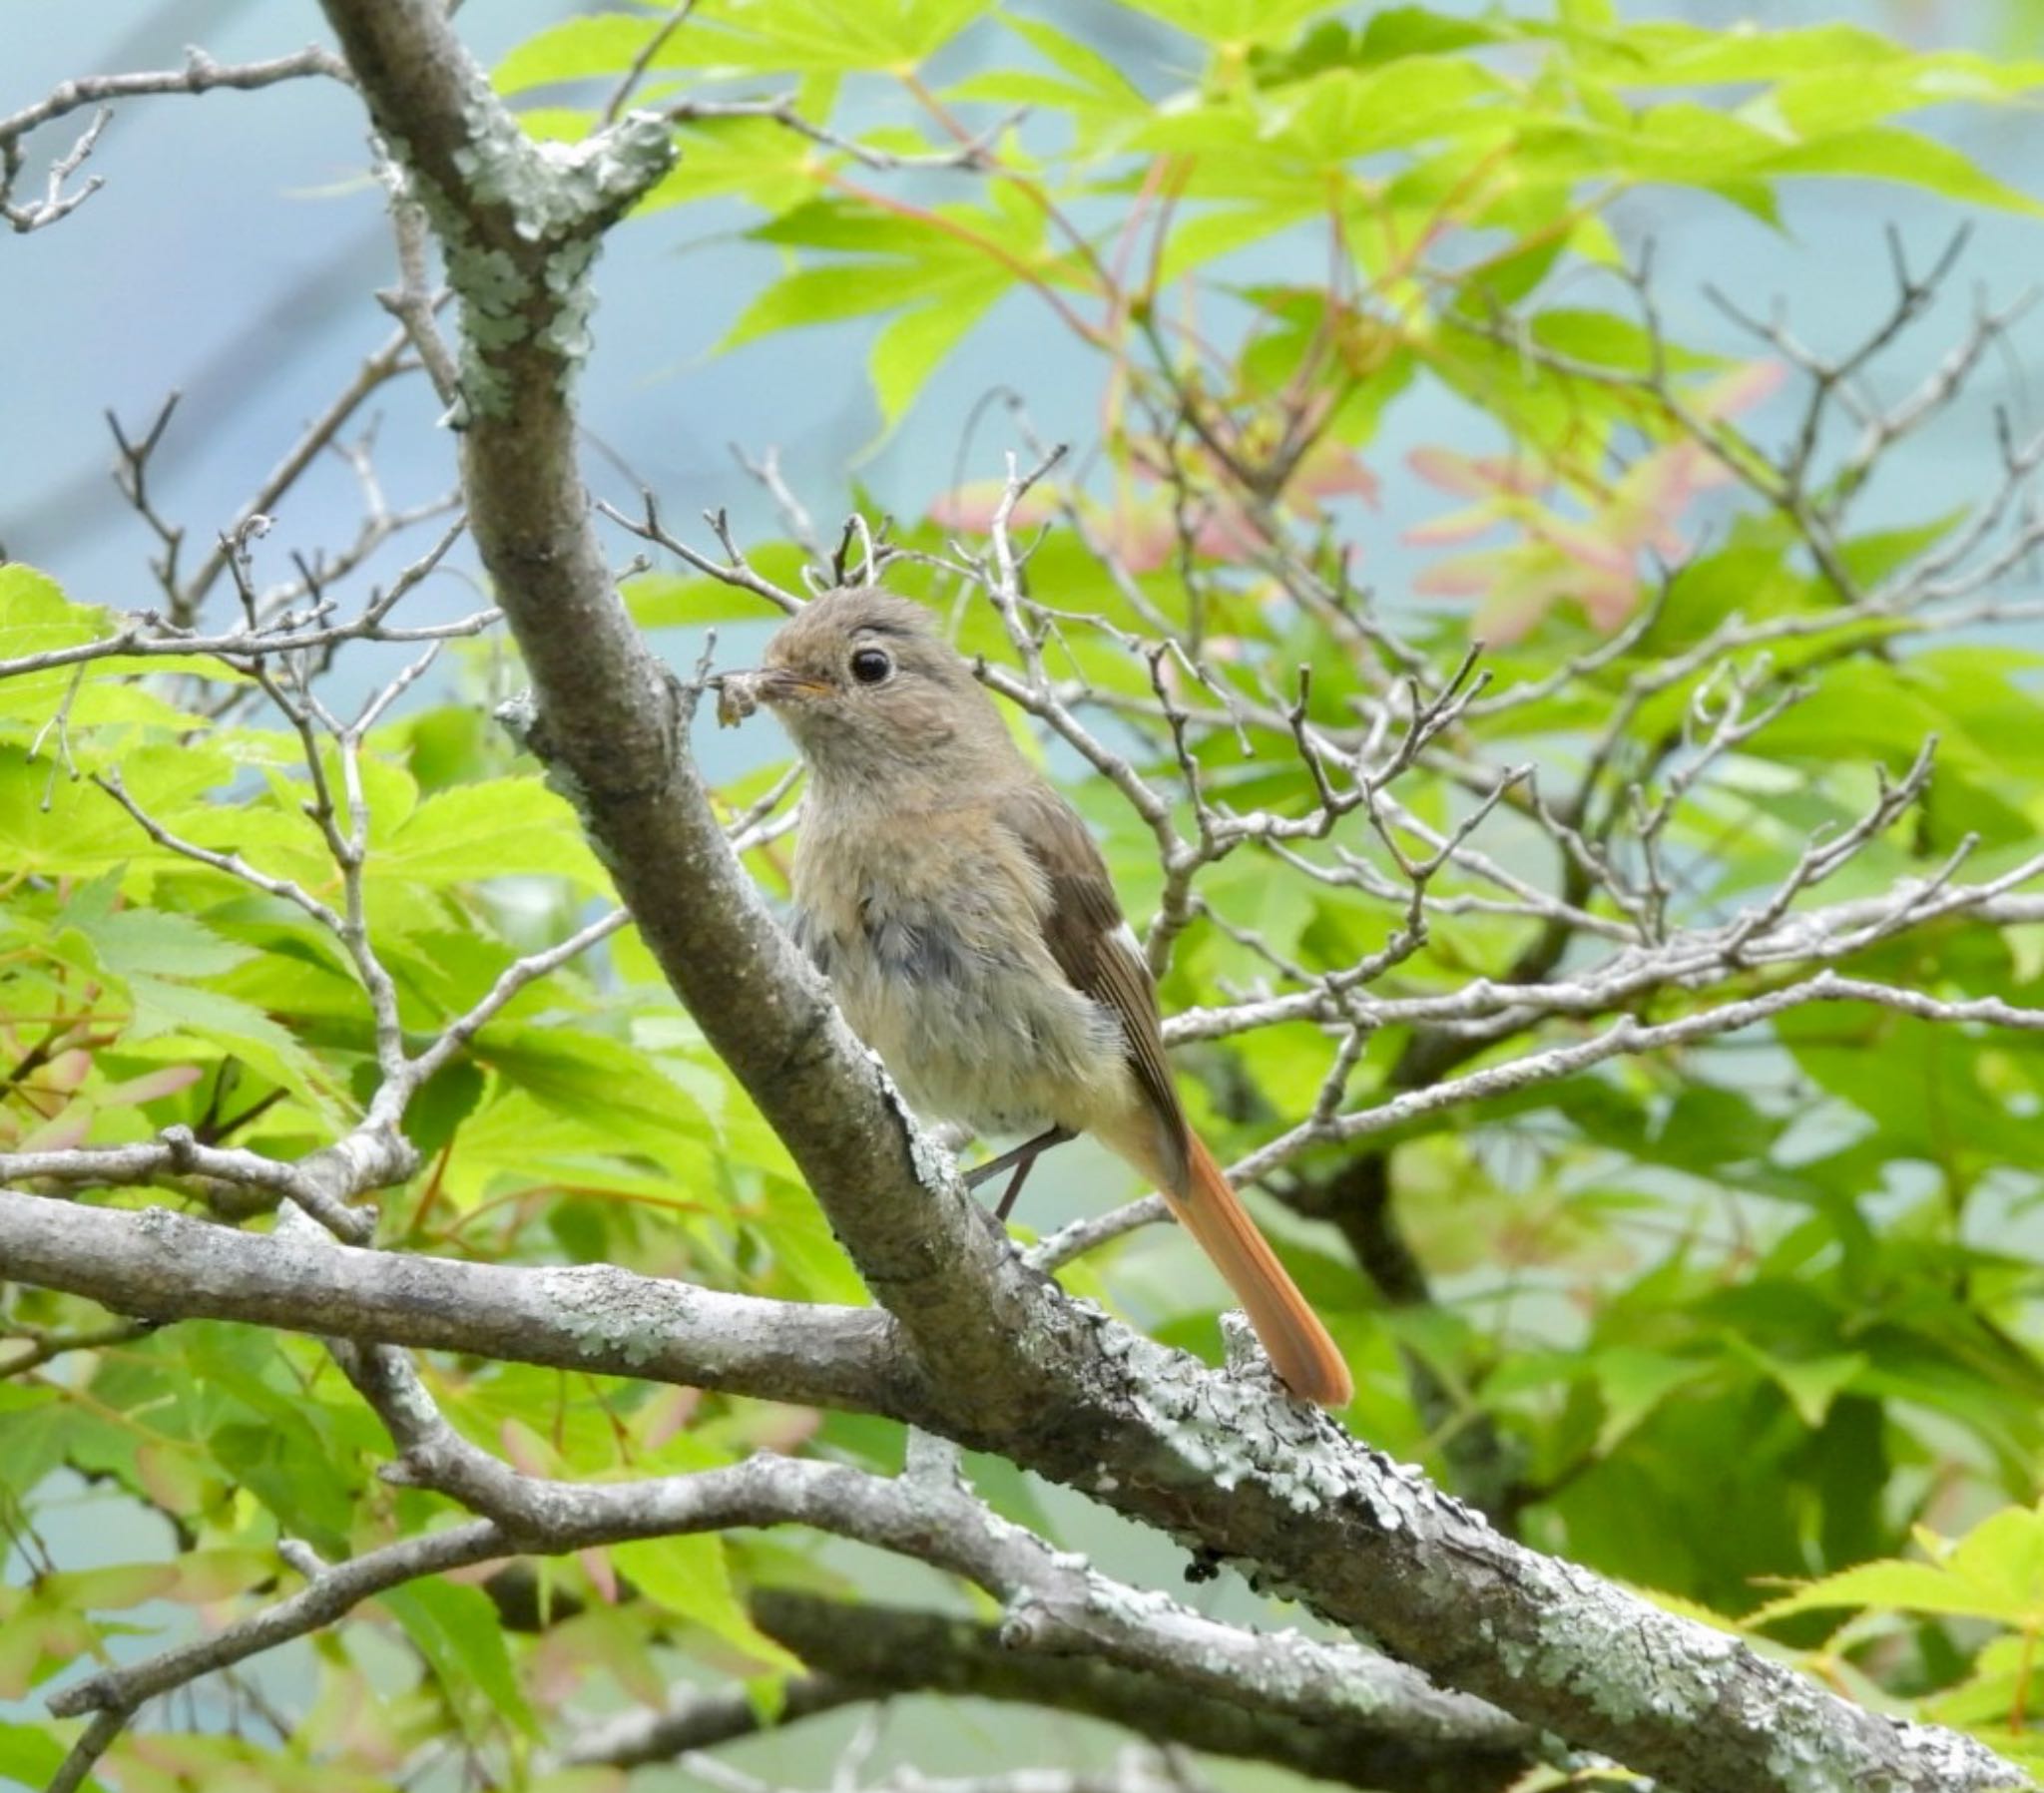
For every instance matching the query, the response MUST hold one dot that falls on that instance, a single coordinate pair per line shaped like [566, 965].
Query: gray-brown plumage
[965, 918]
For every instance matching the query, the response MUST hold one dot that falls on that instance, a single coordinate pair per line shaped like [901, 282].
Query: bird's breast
[934, 949]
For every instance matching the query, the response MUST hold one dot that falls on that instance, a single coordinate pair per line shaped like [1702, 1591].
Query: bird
[964, 918]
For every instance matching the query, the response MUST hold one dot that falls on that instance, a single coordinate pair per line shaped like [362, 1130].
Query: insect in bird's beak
[738, 695]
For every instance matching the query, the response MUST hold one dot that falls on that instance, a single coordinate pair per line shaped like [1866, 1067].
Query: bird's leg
[1021, 1160]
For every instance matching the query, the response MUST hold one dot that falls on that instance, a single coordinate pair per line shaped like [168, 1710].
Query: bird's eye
[870, 665]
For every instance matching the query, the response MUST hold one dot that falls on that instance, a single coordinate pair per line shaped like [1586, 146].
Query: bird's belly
[971, 1037]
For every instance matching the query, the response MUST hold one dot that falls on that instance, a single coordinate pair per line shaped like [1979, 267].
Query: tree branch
[865, 1653]
[162, 1265]
[201, 74]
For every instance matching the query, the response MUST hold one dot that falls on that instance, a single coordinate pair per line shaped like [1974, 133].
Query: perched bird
[965, 920]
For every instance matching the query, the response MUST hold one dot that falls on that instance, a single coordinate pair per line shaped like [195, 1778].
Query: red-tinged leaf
[1655, 491]
[151, 1086]
[666, 1414]
[557, 1665]
[352, 1720]
[1744, 386]
[35, 1645]
[602, 1572]
[1227, 533]
[1608, 601]
[1142, 536]
[530, 1453]
[1473, 476]
[1457, 525]
[67, 1129]
[1518, 602]
[1330, 469]
[66, 1071]
[1465, 575]
[1587, 545]
[786, 1428]
[971, 506]
[115, 1586]
[1520, 585]
[172, 1475]
[600, 1642]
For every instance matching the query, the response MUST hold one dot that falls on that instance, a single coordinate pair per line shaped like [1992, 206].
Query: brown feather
[1090, 942]
[1089, 938]
[1308, 1361]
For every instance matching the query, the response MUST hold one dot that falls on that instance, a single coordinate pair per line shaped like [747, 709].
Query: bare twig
[201, 74]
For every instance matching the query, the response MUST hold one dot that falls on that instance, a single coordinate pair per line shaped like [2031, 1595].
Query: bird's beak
[739, 694]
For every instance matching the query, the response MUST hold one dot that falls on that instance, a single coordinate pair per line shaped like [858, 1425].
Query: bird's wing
[1094, 946]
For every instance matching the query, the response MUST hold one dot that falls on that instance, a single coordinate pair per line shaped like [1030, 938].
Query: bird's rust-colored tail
[1305, 1357]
